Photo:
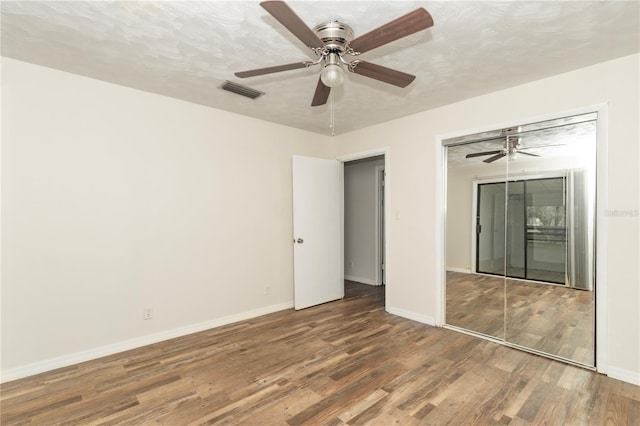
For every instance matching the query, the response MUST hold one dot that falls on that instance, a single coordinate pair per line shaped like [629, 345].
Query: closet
[520, 235]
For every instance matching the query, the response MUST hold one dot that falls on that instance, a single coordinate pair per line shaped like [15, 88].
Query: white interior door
[317, 231]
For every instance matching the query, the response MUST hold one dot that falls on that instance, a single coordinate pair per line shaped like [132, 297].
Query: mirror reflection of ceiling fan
[332, 41]
[511, 147]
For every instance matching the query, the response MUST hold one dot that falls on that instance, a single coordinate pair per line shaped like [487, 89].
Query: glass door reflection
[546, 232]
[475, 301]
[490, 229]
[549, 302]
[531, 243]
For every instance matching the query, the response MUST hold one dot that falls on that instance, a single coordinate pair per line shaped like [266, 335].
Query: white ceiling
[187, 49]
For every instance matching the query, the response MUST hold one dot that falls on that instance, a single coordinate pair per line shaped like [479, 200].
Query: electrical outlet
[147, 313]
[350, 265]
[267, 290]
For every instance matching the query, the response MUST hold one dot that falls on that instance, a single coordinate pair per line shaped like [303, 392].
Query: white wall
[360, 220]
[115, 199]
[413, 245]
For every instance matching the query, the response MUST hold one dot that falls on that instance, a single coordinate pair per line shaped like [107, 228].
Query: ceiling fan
[511, 147]
[332, 41]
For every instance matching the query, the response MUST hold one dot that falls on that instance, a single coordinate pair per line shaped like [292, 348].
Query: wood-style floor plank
[341, 363]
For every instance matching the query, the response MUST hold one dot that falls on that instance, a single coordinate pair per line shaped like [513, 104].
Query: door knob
[299, 241]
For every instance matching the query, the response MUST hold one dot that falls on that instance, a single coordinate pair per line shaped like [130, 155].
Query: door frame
[602, 205]
[380, 225]
[368, 154]
[547, 174]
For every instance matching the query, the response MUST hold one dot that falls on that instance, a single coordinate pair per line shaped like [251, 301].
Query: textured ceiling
[186, 50]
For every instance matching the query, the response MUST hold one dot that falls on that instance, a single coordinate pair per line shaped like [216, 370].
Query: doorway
[380, 223]
[364, 221]
[532, 234]
[318, 230]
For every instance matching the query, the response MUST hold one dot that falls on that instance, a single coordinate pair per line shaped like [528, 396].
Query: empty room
[320, 212]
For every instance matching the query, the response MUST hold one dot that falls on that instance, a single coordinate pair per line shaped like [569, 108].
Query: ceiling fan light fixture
[331, 40]
[332, 75]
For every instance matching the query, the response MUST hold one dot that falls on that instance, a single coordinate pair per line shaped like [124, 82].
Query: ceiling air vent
[241, 90]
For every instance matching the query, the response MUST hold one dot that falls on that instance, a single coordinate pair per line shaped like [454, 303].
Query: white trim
[601, 109]
[440, 231]
[376, 233]
[456, 269]
[125, 345]
[425, 319]
[360, 280]
[602, 204]
[341, 185]
[387, 189]
[363, 154]
[632, 377]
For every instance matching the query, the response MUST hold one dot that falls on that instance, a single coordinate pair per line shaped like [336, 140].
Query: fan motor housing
[335, 35]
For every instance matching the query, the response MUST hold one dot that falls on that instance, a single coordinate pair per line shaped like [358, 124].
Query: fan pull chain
[331, 115]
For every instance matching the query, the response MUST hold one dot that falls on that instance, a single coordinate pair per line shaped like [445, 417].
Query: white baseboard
[632, 377]
[456, 269]
[360, 280]
[425, 319]
[99, 352]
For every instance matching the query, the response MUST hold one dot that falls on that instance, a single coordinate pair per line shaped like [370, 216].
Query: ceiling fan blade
[321, 95]
[495, 157]
[384, 74]
[480, 154]
[528, 153]
[287, 17]
[403, 26]
[269, 70]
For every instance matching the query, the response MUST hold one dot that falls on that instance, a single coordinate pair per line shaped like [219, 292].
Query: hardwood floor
[346, 362]
[548, 318]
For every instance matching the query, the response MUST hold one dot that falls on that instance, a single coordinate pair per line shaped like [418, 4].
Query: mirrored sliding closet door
[520, 235]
